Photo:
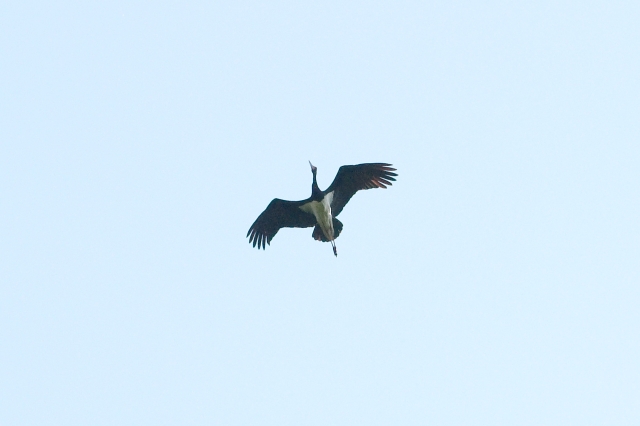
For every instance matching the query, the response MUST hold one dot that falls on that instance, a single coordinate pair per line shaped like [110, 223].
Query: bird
[322, 207]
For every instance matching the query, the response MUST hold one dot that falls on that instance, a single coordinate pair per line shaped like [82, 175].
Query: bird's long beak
[311, 165]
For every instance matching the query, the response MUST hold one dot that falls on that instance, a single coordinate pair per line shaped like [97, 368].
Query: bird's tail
[318, 235]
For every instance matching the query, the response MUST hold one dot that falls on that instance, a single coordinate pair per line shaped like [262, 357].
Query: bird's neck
[315, 190]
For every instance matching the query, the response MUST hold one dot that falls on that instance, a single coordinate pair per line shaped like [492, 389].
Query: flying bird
[320, 210]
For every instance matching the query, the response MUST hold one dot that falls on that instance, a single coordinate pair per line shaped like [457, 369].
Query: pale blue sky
[497, 282]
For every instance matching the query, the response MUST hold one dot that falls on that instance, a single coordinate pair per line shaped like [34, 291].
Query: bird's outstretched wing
[351, 179]
[278, 214]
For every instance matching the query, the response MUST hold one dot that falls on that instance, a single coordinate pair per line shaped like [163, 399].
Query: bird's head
[314, 169]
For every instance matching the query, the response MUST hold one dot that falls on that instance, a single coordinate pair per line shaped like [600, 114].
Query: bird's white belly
[322, 212]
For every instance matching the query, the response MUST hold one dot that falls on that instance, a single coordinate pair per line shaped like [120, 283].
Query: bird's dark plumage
[278, 214]
[318, 235]
[320, 210]
[351, 179]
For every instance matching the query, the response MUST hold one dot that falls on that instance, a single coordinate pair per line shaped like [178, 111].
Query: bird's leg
[333, 244]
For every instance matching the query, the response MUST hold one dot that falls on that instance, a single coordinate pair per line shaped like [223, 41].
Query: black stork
[320, 210]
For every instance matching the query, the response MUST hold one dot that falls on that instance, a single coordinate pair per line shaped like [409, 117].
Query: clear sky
[497, 282]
